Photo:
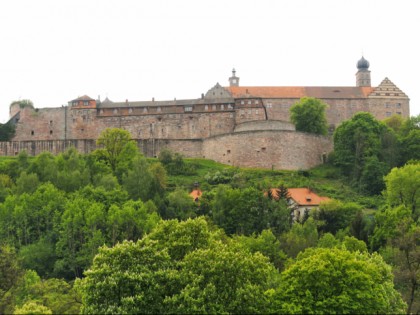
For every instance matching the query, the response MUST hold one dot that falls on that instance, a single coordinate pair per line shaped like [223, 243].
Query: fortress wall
[189, 148]
[36, 147]
[264, 125]
[40, 124]
[268, 149]
[149, 147]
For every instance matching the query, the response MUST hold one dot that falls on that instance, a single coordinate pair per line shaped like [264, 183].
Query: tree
[135, 277]
[335, 215]
[117, 149]
[403, 188]
[300, 237]
[332, 280]
[180, 205]
[247, 211]
[356, 144]
[9, 271]
[309, 116]
[7, 131]
[223, 279]
[267, 244]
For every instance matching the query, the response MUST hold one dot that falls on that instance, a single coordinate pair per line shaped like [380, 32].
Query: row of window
[397, 105]
[388, 114]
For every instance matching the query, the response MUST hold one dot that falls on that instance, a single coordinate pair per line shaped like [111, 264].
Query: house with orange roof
[303, 200]
[196, 194]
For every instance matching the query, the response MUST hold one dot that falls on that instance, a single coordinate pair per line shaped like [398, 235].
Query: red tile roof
[299, 91]
[306, 197]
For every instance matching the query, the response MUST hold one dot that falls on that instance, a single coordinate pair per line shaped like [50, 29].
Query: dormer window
[188, 108]
[86, 103]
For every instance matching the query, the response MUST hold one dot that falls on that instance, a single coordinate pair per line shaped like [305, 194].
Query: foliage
[117, 149]
[245, 211]
[7, 131]
[175, 164]
[267, 244]
[403, 188]
[23, 103]
[136, 277]
[300, 237]
[222, 279]
[180, 206]
[324, 280]
[335, 215]
[144, 181]
[364, 149]
[309, 116]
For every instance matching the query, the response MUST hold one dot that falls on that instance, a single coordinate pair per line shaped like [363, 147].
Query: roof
[344, 92]
[83, 98]
[152, 103]
[306, 197]
[196, 193]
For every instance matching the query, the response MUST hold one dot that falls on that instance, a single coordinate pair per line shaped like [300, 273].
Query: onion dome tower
[363, 73]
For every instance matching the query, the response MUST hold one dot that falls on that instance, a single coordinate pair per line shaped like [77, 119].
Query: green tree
[245, 211]
[32, 307]
[332, 280]
[117, 149]
[335, 215]
[135, 277]
[223, 279]
[403, 188]
[357, 142]
[308, 115]
[267, 244]
[10, 273]
[180, 206]
[7, 131]
[300, 237]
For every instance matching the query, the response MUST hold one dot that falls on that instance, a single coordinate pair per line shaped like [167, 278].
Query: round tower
[363, 73]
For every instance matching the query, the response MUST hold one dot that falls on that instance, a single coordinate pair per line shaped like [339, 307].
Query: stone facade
[243, 126]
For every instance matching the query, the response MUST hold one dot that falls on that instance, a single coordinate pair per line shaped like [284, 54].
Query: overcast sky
[54, 51]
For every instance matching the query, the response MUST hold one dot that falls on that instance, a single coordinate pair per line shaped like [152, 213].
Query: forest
[115, 232]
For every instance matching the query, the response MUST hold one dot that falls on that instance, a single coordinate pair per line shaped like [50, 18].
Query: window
[388, 114]
[242, 102]
[387, 105]
[398, 113]
[256, 112]
[213, 107]
[145, 110]
[249, 102]
[188, 108]
[86, 103]
[256, 101]
[222, 107]
[159, 109]
[398, 105]
[51, 132]
[206, 107]
[32, 133]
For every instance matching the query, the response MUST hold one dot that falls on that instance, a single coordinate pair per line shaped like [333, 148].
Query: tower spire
[234, 80]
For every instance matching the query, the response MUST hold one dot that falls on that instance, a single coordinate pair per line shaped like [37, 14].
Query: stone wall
[275, 149]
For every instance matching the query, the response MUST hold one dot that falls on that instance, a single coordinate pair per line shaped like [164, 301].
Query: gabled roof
[299, 91]
[306, 197]
[83, 98]
[387, 89]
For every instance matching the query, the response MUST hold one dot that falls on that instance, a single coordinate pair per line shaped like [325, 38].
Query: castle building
[236, 125]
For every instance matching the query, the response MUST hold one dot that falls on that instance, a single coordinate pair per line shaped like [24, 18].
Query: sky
[53, 51]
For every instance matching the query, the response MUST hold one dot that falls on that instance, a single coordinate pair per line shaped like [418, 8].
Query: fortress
[245, 126]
